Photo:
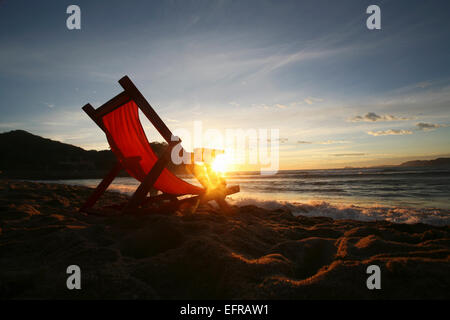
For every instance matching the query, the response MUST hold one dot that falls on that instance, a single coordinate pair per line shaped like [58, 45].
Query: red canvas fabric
[129, 143]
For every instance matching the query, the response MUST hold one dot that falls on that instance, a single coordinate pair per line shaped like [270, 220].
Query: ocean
[397, 194]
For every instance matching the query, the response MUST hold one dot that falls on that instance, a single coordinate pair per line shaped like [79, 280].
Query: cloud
[10, 125]
[270, 107]
[423, 84]
[332, 142]
[323, 142]
[348, 154]
[308, 100]
[280, 140]
[373, 117]
[311, 100]
[389, 132]
[429, 126]
[420, 126]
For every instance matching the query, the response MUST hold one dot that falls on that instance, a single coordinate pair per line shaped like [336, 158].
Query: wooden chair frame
[139, 197]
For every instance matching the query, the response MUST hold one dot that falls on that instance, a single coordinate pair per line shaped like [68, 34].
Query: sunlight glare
[220, 163]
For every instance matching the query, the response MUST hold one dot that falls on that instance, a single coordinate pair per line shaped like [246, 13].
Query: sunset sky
[340, 94]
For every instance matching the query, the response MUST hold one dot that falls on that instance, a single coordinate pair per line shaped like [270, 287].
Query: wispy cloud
[429, 126]
[293, 104]
[389, 132]
[323, 142]
[332, 142]
[349, 154]
[280, 140]
[422, 126]
[423, 84]
[272, 106]
[311, 100]
[373, 117]
[10, 125]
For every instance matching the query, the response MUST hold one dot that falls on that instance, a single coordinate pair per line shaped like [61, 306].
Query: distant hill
[439, 162]
[28, 156]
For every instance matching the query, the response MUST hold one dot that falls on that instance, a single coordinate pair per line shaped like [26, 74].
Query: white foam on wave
[432, 216]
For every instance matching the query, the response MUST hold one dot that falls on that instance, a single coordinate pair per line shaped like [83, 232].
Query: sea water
[398, 194]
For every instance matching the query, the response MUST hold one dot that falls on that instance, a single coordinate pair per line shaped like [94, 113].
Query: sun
[220, 163]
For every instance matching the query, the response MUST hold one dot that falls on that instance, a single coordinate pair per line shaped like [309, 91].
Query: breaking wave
[432, 216]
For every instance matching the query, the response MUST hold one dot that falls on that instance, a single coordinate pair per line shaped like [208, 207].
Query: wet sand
[253, 254]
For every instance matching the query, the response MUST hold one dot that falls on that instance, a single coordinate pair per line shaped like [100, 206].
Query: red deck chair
[119, 119]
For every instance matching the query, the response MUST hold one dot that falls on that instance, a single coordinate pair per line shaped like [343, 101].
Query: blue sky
[340, 94]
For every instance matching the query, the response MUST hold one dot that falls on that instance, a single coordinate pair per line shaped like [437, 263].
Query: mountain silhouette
[28, 156]
[439, 162]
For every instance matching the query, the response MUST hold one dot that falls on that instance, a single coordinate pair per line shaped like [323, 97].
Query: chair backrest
[119, 119]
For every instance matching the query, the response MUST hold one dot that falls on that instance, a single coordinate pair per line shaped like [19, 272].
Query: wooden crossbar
[146, 108]
[112, 104]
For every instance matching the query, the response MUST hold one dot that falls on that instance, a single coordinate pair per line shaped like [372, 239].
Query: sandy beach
[253, 254]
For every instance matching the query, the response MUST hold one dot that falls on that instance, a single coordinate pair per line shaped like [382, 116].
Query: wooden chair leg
[101, 188]
[139, 196]
[193, 208]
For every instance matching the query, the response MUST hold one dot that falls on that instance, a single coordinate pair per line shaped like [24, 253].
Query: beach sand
[253, 254]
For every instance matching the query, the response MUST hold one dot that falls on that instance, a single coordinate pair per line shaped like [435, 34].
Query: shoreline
[254, 254]
[344, 208]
